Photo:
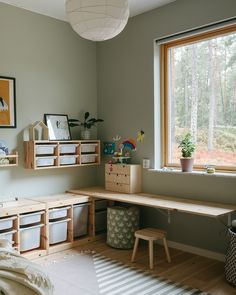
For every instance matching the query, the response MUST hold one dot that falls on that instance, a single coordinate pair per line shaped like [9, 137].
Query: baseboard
[196, 250]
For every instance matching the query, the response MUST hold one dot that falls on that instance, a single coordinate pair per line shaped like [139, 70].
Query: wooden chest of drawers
[123, 178]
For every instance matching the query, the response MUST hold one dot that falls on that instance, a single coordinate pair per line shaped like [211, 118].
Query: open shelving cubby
[13, 160]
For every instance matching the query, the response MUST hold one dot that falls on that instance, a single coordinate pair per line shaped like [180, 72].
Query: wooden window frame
[164, 90]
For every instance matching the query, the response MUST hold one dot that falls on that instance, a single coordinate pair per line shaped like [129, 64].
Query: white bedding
[19, 276]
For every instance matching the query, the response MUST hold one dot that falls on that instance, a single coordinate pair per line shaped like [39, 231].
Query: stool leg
[166, 250]
[135, 249]
[151, 254]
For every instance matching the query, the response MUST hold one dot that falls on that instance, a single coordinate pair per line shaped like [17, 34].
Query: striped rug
[115, 278]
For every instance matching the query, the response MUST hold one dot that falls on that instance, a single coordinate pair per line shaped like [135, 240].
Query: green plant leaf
[86, 115]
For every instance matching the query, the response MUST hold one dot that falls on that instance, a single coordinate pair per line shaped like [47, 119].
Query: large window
[199, 90]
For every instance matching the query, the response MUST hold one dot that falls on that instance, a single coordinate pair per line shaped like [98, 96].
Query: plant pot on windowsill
[186, 164]
[187, 148]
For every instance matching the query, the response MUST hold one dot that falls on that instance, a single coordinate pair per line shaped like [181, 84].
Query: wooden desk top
[161, 202]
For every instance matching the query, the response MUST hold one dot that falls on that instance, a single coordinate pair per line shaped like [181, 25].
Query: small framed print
[7, 102]
[58, 126]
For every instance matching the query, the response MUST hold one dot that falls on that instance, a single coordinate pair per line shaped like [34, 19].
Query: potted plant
[87, 123]
[187, 148]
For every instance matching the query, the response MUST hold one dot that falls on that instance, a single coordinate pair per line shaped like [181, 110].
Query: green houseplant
[87, 124]
[187, 149]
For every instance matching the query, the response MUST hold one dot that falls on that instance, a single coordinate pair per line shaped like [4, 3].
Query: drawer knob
[117, 174]
[125, 175]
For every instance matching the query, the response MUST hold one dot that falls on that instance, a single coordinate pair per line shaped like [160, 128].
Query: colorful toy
[109, 148]
[141, 135]
[130, 144]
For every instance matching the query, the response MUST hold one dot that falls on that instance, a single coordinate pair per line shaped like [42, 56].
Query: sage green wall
[55, 72]
[126, 103]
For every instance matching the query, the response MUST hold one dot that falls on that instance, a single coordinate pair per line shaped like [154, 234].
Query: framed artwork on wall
[7, 102]
[58, 126]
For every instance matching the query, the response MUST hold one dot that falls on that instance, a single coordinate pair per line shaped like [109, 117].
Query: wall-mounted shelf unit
[12, 160]
[58, 154]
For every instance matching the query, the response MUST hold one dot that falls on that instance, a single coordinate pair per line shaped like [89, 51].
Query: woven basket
[230, 264]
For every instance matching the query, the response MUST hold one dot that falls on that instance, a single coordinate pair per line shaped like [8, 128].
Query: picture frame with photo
[7, 102]
[58, 126]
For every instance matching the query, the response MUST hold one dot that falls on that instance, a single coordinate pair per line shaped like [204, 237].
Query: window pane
[202, 99]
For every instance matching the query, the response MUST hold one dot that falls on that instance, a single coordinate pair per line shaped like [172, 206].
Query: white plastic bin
[68, 160]
[30, 237]
[8, 235]
[88, 148]
[7, 223]
[30, 218]
[88, 158]
[45, 161]
[68, 148]
[58, 231]
[101, 221]
[80, 219]
[58, 213]
[48, 149]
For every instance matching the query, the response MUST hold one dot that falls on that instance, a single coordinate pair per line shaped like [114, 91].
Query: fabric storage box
[88, 148]
[68, 148]
[8, 235]
[230, 263]
[30, 218]
[45, 161]
[48, 149]
[58, 231]
[68, 160]
[122, 222]
[30, 237]
[7, 223]
[58, 213]
[80, 219]
[100, 221]
[88, 159]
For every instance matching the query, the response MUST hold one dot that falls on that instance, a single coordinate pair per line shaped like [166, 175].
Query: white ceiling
[56, 8]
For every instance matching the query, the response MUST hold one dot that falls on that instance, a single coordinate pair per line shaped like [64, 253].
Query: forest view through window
[200, 98]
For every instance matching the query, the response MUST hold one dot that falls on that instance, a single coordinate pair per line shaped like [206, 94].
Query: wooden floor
[188, 269]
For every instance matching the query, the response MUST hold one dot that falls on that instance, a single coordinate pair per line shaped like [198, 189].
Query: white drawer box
[45, 161]
[30, 237]
[8, 235]
[7, 223]
[30, 218]
[68, 160]
[88, 148]
[58, 231]
[47, 149]
[58, 213]
[88, 158]
[68, 148]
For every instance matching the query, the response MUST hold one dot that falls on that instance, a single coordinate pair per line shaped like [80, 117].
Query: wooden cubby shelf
[60, 154]
[12, 158]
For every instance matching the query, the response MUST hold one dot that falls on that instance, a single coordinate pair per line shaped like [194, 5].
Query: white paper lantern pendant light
[97, 20]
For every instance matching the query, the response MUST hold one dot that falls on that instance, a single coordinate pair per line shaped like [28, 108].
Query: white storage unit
[58, 213]
[88, 158]
[80, 219]
[68, 160]
[58, 231]
[7, 223]
[30, 218]
[30, 237]
[88, 148]
[47, 149]
[68, 148]
[45, 161]
[8, 235]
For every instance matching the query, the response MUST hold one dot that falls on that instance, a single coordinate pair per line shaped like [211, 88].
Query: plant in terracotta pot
[87, 124]
[187, 149]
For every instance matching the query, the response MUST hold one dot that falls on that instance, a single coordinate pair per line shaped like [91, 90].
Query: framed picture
[7, 102]
[58, 127]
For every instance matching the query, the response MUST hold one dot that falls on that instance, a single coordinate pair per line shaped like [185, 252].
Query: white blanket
[19, 276]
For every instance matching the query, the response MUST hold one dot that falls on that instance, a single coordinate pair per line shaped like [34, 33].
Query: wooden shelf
[44, 154]
[13, 160]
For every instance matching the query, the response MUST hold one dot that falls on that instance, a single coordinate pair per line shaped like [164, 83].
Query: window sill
[196, 172]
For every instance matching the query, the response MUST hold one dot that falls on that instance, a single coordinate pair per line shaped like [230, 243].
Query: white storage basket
[58, 231]
[8, 235]
[7, 223]
[68, 148]
[68, 160]
[45, 161]
[80, 219]
[58, 213]
[48, 149]
[30, 218]
[88, 158]
[30, 237]
[88, 148]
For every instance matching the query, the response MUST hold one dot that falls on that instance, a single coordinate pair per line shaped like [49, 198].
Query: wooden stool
[150, 235]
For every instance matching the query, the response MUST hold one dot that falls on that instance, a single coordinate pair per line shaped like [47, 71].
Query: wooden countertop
[210, 209]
